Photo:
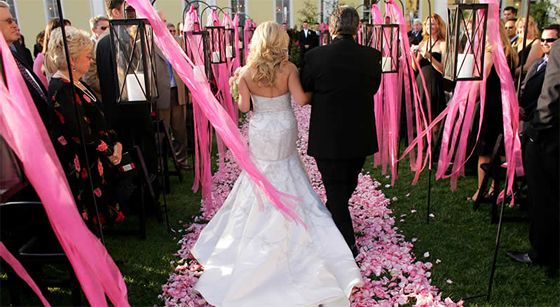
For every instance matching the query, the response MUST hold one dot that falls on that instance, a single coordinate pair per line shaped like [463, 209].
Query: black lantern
[216, 42]
[197, 40]
[229, 42]
[466, 41]
[132, 47]
[325, 35]
[367, 32]
[386, 40]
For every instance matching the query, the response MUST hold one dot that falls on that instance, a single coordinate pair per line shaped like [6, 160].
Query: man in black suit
[343, 77]
[11, 33]
[533, 82]
[542, 167]
[308, 39]
[415, 35]
[133, 124]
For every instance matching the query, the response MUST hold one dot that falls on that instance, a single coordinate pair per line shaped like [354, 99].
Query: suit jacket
[414, 39]
[547, 112]
[312, 39]
[343, 77]
[531, 89]
[163, 81]
[108, 83]
[42, 104]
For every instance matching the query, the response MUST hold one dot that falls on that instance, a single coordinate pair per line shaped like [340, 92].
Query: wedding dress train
[252, 255]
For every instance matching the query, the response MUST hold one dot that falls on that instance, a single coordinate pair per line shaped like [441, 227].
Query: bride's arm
[294, 86]
[244, 102]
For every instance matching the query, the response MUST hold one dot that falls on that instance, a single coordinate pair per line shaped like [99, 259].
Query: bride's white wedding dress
[252, 255]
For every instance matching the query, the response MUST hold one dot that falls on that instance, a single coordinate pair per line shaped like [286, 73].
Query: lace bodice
[272, 130]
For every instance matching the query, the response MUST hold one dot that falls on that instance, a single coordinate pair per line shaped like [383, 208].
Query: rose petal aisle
[393, 276]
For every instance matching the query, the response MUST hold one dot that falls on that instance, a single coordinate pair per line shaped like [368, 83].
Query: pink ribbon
[23, 130]
[218, 117]
[21, 272]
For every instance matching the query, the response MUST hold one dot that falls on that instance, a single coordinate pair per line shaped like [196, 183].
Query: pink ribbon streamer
[218, 117]
[21, 272]
[23, 130]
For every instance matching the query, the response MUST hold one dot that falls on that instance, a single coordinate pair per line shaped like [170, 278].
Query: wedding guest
[492, 122]
[429, 55]
[38, 47]
[532, 50]
[42, 66]
[98, 26]
[510, 12]
[10, 31]
[342, 77]
[415, 35]
[104, 152]
[511, 30]
[532, 84]
[542, 173]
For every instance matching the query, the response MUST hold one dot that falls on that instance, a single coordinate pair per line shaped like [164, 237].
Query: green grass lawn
[462, 239]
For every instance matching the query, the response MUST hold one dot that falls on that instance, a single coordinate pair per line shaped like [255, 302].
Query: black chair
[26, 232]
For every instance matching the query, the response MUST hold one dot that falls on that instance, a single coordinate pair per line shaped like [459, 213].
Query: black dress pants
[542, 174]
[340, 178]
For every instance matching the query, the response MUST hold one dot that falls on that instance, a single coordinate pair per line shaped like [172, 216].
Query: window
[51, 9]
[13, 9]
[238, 6]
[282, 10]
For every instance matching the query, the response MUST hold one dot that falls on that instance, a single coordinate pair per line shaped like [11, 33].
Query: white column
[97, 8]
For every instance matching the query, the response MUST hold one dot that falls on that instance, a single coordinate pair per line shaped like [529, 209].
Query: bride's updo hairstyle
[269, 49]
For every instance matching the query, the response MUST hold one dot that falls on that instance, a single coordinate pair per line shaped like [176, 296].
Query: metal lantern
[386, 39]
[132, 47]
[466, 41]
[229, 42]
[367, 33]
[325, 35]
[216, 41]
[200, 37]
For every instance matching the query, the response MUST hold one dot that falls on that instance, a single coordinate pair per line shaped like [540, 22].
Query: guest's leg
[542, 163]
[179, 127]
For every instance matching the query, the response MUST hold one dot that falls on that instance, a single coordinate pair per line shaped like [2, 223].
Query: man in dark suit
[343, 77]
[11, 33]
[533, 82]
[308, 39]
[542, 167]
[415, 35]
[133, 124]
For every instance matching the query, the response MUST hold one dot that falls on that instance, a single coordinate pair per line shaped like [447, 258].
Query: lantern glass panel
[132, 46]
[196, 48]
[216, 37]
[466, 42]
[230, 43]
[367, 34]
[385, 38]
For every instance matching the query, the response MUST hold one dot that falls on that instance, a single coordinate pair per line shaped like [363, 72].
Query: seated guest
[103, 149]
[533, 82]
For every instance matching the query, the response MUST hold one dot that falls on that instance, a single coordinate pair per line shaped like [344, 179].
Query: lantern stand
[98, 229]
[132, 47]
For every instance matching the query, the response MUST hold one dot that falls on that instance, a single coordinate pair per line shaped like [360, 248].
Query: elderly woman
[103, 151]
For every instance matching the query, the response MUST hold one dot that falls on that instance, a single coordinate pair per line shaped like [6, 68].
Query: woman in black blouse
[103, 150]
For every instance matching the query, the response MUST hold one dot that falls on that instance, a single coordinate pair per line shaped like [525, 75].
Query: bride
[251, 253]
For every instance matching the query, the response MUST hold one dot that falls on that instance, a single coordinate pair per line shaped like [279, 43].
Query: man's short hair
[95, 20]
[4, 4]
[511, 8]
[112, 4]
[344, 21]
[554, 27]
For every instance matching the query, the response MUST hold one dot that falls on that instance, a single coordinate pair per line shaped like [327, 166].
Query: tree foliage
[308, 13]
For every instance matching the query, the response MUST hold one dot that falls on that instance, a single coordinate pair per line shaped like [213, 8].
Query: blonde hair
[510, 53]
[532, 28]
[442, 30]
[269, 49]
[78, 41]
